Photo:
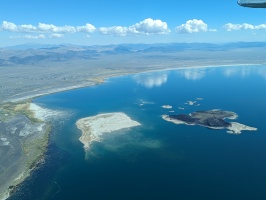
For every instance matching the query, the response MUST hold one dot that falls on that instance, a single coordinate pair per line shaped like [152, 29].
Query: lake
[159, 159]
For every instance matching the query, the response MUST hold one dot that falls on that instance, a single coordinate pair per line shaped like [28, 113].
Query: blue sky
[93, 22]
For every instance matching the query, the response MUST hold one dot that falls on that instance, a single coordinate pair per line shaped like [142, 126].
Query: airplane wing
[252, 3]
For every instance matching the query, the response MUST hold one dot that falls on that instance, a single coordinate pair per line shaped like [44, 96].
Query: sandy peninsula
[94, 127]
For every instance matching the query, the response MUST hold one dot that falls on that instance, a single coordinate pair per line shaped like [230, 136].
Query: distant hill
[30, 54]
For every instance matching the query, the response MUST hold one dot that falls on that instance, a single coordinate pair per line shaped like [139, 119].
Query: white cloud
[150, 26]
[27, 28]
[41, 36]
[56, 35]
[146, 27]
[192, 26]
[88, 28]
[9, 26]
[244, 26]
[56, 29]
[114, 30]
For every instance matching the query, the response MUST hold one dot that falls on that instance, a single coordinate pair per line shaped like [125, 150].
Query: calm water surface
[158, 160]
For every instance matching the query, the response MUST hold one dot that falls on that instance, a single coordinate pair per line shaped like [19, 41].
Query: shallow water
[160, 160]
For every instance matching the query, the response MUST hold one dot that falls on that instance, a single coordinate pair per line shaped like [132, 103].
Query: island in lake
[94, 127]
[214, 119]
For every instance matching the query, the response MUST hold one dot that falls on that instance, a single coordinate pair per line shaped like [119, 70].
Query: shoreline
[95, 82]
[33, 150]
[52, 91]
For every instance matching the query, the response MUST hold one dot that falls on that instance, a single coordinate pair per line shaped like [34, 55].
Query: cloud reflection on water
[157, 79]
[150, 80]
[193, 73]
[244, 71]
[230, 71]
[262, 72]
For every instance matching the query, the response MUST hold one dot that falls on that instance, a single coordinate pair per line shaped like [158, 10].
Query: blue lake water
[158, 160]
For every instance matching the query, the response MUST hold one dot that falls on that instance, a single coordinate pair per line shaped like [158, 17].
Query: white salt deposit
[44, 113]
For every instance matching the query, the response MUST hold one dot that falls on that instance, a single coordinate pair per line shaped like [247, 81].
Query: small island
[167, 106]
[214, 119]
[94, 127]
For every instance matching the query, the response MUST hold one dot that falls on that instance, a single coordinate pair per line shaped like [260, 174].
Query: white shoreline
[50, 91]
